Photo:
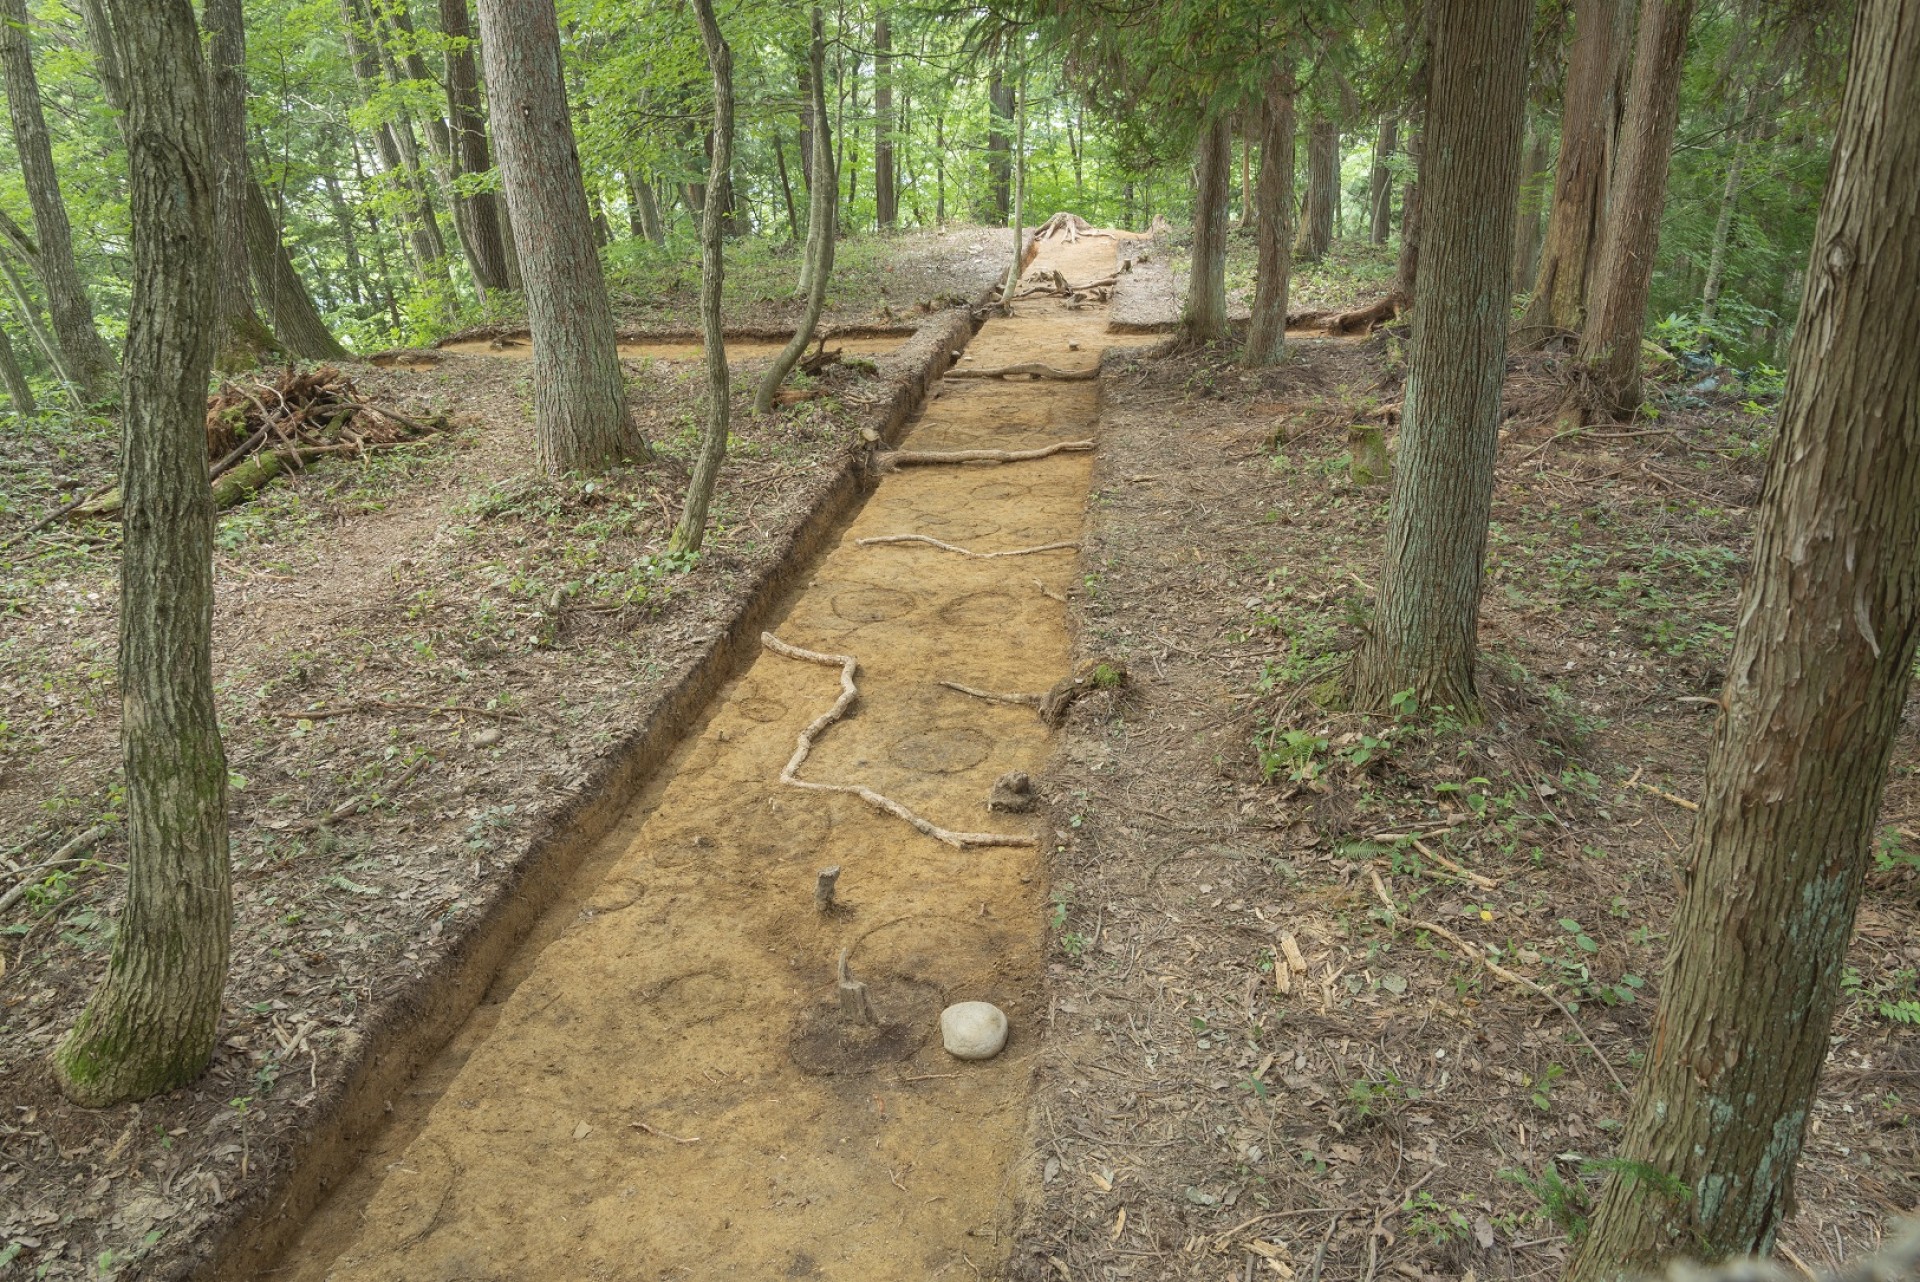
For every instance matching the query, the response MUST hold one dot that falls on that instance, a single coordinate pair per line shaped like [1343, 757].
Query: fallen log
[948, 547]
[927, 458]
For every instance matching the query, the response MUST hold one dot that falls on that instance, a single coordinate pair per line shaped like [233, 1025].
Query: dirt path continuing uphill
[655, 1089]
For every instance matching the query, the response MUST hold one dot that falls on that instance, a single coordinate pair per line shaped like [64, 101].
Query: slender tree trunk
[1723, 228]
[786, 185]
[1425, 627]
[940, 169]
[1380, 202]
[650, 225]
[241, 340]
[999, 170]
[19, 393]
[1205, 318]
[85, 352]
[1576, 219]
[1267, 331]
[1247, 202]
[1822, 660]
[886, 205]
[303, 332]
[349, 237]
[821, 218]
[1526, 224]
[1323, 184]
[396, 160]
[692, 530]
[1610, 343]
[1020, 186]
[580, 404]
[1406, 271]
[478, 214]
[151, 1025]
[49, 348]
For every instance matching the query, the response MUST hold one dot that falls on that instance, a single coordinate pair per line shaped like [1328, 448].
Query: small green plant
[1543, 1087]
[1567, 1205]
[1297, 752]
[1435, 1221]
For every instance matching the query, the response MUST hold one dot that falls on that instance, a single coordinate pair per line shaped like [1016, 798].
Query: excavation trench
[658, 1083]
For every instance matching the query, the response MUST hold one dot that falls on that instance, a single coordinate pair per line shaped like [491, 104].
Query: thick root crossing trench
[660, 1085]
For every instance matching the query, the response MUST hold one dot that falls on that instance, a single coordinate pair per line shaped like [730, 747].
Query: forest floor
[420, 660]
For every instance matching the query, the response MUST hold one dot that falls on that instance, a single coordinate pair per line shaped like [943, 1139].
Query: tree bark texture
[886, 205]
[1526, 218]
[1205, 317]
[303, 331]
[1617, 319]
[241, 339]
[1821, 662]
[1380, 204]
[692, 529]
[1406, 267]
[999, 160]
[1424, 630]
[19, 392]
[1323, 188]
[1019, 261]
[87, 358]
[151, 1025]
[1589, 125]
[1267, 330]
[822, 216]
[580, 404]
[478, 215]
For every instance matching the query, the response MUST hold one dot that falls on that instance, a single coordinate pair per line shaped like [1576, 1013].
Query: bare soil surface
[739, 350]
[1258, 1066]
[664, 1074]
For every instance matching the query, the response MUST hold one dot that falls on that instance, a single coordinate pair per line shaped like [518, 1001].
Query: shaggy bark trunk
[279, 289]
[999, 168]
[478, 215]
[241, 341]
[1819, 672]
[19, 394]
[1323, 182]
[1610, 344]
[1205, 317]
[579, 397]
[1526, 227]
[1267, 331]
[688, 535]
[1589, 123]
[1381, 202]
[821, 219]
[886, 204]
[1425, 627]
[151, 1025]
[86, 356]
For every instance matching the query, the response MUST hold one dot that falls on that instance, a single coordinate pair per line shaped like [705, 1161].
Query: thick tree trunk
[1205, 317]
[19, 393]
[85, 352]
[241, 341]
[1267, 331]
[1380, 204]
[692, 529]
[1588, 126]
[479, 214]
[1617, 320]
[1425, 627]
[151, 1025]
[886, 205]
[579, 397]
[279, 289]
[822, 216]
[1526, 221]
[1323, 185]
[1819, 672]
[999, 168]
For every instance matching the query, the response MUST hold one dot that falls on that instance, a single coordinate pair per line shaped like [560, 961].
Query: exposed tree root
[1034, 368]
[995, 696]
[1091, 675]
[925, 458]
[1069, 227]
[948, 547]
[1365, 318]
[789, 774]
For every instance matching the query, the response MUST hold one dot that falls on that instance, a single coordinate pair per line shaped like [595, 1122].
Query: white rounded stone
[973, 1030]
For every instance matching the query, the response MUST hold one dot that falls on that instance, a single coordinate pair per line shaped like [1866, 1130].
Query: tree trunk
[19, 393]
[1406, 270]
[886, 204]
[1424, 629]
[1526, 224]
[999, 169]
[1380, 204]
[1610, 344]
[1723, 229]
[786, 185]
[1205, 317]
[1267, 331]
[940, 169]
[151, 1025]
[650, 224]
[85, 352]
[1247, 201]
[397, 161]
[692, 530]
[478, 215]
[349, 237]
[1821, 662]
[42, 339]
[241, 341]
[822, 199]
[278, 287]
[1588, 126]
[580, 404]
[1323, 183]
